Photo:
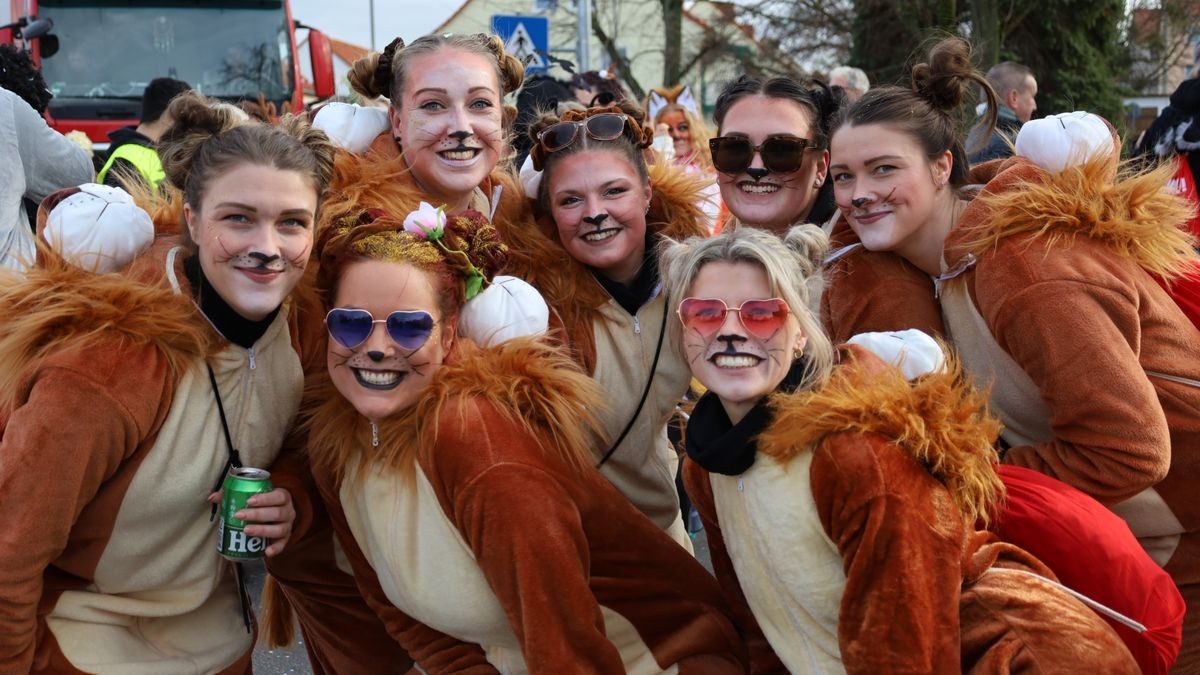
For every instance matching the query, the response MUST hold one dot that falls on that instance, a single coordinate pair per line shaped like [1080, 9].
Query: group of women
[455, 503]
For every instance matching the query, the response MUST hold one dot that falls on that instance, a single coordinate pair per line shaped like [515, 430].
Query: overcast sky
[350, 20]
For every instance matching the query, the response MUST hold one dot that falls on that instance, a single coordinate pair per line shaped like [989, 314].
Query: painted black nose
[758, 174]
[375, 356]
[596, 219]
[460, 135]
[857, 203]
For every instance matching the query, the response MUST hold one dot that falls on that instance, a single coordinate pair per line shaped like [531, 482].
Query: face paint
[254, 231]
[379, 376]
[740, 366]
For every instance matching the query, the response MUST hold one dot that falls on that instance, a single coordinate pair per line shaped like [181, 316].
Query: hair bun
[810, 245]
[197, 120]
[945, 79]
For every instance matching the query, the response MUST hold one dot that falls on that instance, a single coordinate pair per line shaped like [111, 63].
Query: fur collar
[381, 180]
[540, 258]
[59, 306]
[938, 418]
[526, 381]
[1133, 214]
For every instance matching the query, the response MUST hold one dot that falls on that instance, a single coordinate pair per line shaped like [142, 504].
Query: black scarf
[232, 326]
[638, 292]
[720, 446]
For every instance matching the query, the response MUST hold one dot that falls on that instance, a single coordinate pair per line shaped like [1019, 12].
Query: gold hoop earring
[797, 354]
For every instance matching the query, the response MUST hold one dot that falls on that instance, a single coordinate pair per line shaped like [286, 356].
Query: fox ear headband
[680, 94]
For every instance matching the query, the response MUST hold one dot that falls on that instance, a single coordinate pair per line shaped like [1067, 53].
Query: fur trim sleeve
[71, 430]
[900, 537]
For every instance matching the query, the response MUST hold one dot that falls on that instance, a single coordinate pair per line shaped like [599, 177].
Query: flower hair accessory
[429, 223]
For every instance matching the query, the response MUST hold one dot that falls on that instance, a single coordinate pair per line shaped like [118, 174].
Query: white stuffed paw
[99, 228]
[912, 351]
[508, 308]
[352, 127]
[1068, 139]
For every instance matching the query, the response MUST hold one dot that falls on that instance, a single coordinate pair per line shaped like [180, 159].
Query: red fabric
[1185, 291]
[1184, 183]
[1092, 551]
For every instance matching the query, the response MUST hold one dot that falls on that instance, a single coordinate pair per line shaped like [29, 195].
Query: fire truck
[97, 57]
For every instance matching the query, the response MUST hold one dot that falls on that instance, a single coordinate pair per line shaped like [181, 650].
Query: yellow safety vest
[145, 159]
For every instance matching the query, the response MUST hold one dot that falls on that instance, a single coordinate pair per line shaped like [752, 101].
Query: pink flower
[427, 222]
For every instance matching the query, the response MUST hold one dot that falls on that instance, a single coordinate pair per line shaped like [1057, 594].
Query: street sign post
[525, 37]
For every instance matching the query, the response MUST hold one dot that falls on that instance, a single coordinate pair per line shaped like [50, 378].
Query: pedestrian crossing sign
[525, 37]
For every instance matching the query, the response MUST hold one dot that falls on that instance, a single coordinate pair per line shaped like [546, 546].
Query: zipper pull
[637, 325]
[374, 435]
[250, 353]
[741, 487]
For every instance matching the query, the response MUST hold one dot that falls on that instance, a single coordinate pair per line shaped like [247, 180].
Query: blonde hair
[701, 155]
[792, 266]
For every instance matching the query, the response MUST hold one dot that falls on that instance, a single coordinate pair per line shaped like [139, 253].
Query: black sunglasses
[780, 154]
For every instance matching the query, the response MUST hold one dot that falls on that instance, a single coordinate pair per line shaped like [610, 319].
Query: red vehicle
[97, 56]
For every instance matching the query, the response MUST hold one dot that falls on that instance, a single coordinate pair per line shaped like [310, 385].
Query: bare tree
[816, 33]
[1158, 38]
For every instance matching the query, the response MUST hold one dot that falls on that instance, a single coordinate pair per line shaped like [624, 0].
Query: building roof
[347, 52]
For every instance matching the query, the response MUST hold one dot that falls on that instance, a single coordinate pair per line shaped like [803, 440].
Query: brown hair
[209, 138]
[814, 97]
[469, 239]
[383, 73]
[925, 112]
[629, 145]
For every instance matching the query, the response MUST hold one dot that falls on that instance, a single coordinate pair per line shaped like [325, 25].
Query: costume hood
[1133, 214]
[59, 306]
[938, 417]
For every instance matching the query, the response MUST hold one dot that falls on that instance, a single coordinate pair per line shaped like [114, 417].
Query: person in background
[133, 154]
[677, 110]
[852, 82]
[1016, 95]
[37, 160]
[596, 88]
[539, 94]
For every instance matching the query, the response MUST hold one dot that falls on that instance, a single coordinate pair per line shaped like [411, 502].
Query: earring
[797, 353]
[816, 184]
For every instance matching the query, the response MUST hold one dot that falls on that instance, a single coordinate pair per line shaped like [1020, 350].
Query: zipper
[250, 353]
[1174, 378]
[741, 486]
[637, 325]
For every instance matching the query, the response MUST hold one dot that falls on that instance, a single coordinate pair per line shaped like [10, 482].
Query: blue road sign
[525, 37]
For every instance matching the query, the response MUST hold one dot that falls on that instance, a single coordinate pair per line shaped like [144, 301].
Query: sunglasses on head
[780, 154]
[602, 127]
[351, 327]
[761, 318]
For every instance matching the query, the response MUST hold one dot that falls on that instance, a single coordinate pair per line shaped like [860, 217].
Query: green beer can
[241, 484]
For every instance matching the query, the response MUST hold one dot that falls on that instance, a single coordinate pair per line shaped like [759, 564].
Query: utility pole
[372, 12]
[583, 25]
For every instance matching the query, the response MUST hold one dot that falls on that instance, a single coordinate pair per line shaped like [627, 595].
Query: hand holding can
[255, 518]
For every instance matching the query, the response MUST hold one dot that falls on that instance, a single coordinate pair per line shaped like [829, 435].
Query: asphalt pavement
[293, 659]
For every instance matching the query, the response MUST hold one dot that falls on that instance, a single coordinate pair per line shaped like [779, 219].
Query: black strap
[649, 381]
[235, 460]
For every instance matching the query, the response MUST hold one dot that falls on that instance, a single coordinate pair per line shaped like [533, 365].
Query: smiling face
[767, 199]
[253, 232]
[599, 205]
[732, 362]
[680, 131]
[450, 123]
[888, 189]
[378, 377]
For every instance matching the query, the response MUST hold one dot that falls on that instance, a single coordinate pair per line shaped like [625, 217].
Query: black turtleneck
[632, 296]
[722, 447]
[233, 326]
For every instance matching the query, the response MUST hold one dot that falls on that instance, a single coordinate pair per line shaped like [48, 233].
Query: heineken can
[241, 484]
